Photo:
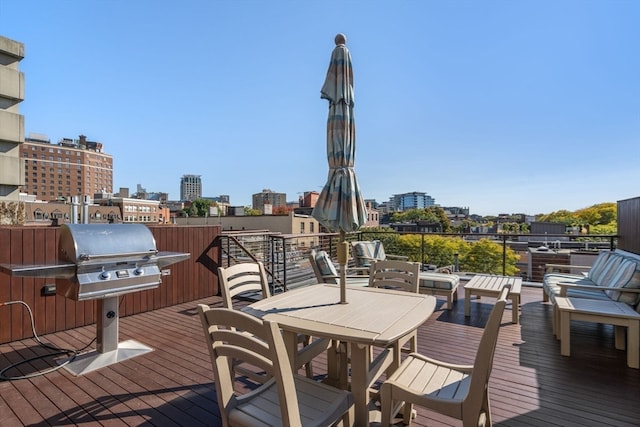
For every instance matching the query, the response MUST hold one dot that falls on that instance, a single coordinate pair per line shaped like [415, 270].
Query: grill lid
[84, 243]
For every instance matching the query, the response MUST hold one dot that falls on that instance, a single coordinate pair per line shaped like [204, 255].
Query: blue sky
[499, 106]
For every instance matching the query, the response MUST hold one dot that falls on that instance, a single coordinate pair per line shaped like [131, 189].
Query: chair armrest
[398, 257]
[462, 368]
[309, 352]
[565, 286]
[549, 267]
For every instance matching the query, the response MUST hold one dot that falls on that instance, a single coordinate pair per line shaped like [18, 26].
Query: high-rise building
[414, 200]
[11, 122]
[71, 167]
[190, 188]
[268, 197]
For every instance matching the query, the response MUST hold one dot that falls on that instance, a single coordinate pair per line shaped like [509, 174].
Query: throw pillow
[325, 265]
[627, 277]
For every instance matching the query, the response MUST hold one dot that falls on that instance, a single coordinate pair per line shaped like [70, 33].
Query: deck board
[531, 384]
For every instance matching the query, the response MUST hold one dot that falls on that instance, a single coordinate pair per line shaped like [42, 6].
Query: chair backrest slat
[402, 275]
[242, 278]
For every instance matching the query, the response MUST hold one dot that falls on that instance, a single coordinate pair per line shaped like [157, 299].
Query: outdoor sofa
[614, 275]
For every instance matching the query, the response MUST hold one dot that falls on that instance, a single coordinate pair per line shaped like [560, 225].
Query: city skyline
[504, 107]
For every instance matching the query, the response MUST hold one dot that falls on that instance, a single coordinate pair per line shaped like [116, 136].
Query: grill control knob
[139, 271]
[105, 275]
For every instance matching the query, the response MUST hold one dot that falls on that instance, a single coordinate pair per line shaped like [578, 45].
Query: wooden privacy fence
[629, 225]
[189, 280]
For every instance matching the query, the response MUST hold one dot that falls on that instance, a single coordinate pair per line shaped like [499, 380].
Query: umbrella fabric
[340, 206]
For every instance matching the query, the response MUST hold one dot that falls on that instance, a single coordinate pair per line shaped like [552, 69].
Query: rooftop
[531, 384]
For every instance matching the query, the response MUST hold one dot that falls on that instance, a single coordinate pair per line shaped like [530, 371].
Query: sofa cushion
[627, 276]
[366, 251]
[609, 270]
[439, 280]
[551, 281]
[598, 264]
[325, 265]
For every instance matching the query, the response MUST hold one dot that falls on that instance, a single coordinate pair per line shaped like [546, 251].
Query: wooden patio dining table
[370, 318]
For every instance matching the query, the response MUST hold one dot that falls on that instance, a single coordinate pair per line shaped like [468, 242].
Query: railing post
[272, 248]
[422, 261]
[504, 255]
[284, 265]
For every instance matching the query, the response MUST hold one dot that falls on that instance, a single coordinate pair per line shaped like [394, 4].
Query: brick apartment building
[69, 168]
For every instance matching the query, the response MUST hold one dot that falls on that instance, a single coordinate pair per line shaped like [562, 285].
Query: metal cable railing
[285, 256]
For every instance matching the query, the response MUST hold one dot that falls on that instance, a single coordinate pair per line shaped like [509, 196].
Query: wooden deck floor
[531, 383]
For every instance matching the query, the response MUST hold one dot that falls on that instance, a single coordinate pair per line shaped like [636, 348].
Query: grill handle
[88, 257]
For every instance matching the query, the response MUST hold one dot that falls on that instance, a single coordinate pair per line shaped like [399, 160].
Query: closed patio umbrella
[340, 207]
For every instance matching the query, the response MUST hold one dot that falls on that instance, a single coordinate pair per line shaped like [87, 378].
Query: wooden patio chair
[458, 391]
[365, 252]
[399, 275]
[286, 399]
[326, 272]
[251, 278]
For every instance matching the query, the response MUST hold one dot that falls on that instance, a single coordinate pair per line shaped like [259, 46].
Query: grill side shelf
[61, 271]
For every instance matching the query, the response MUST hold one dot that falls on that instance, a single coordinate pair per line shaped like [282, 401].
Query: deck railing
[285, 256]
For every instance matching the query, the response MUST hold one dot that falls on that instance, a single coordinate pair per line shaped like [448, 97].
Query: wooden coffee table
[486, 285]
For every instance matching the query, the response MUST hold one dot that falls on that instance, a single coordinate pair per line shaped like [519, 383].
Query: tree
[596, 215]
[485, 256]
[431, 214]
[600, 214]
[441, 215]
[251, 212]
[563, 216]
[464, 226]
[412, 215]
[189, 211]
[201, 207]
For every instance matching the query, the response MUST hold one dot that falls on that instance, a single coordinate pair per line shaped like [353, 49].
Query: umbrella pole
[343, 255]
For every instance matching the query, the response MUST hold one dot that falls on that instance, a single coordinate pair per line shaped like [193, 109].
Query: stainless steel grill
[102, 262]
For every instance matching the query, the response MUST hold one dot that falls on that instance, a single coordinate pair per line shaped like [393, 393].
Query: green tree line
[480, 256]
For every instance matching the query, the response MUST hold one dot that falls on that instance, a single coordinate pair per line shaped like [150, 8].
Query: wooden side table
[490, 286]
[619, 314]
